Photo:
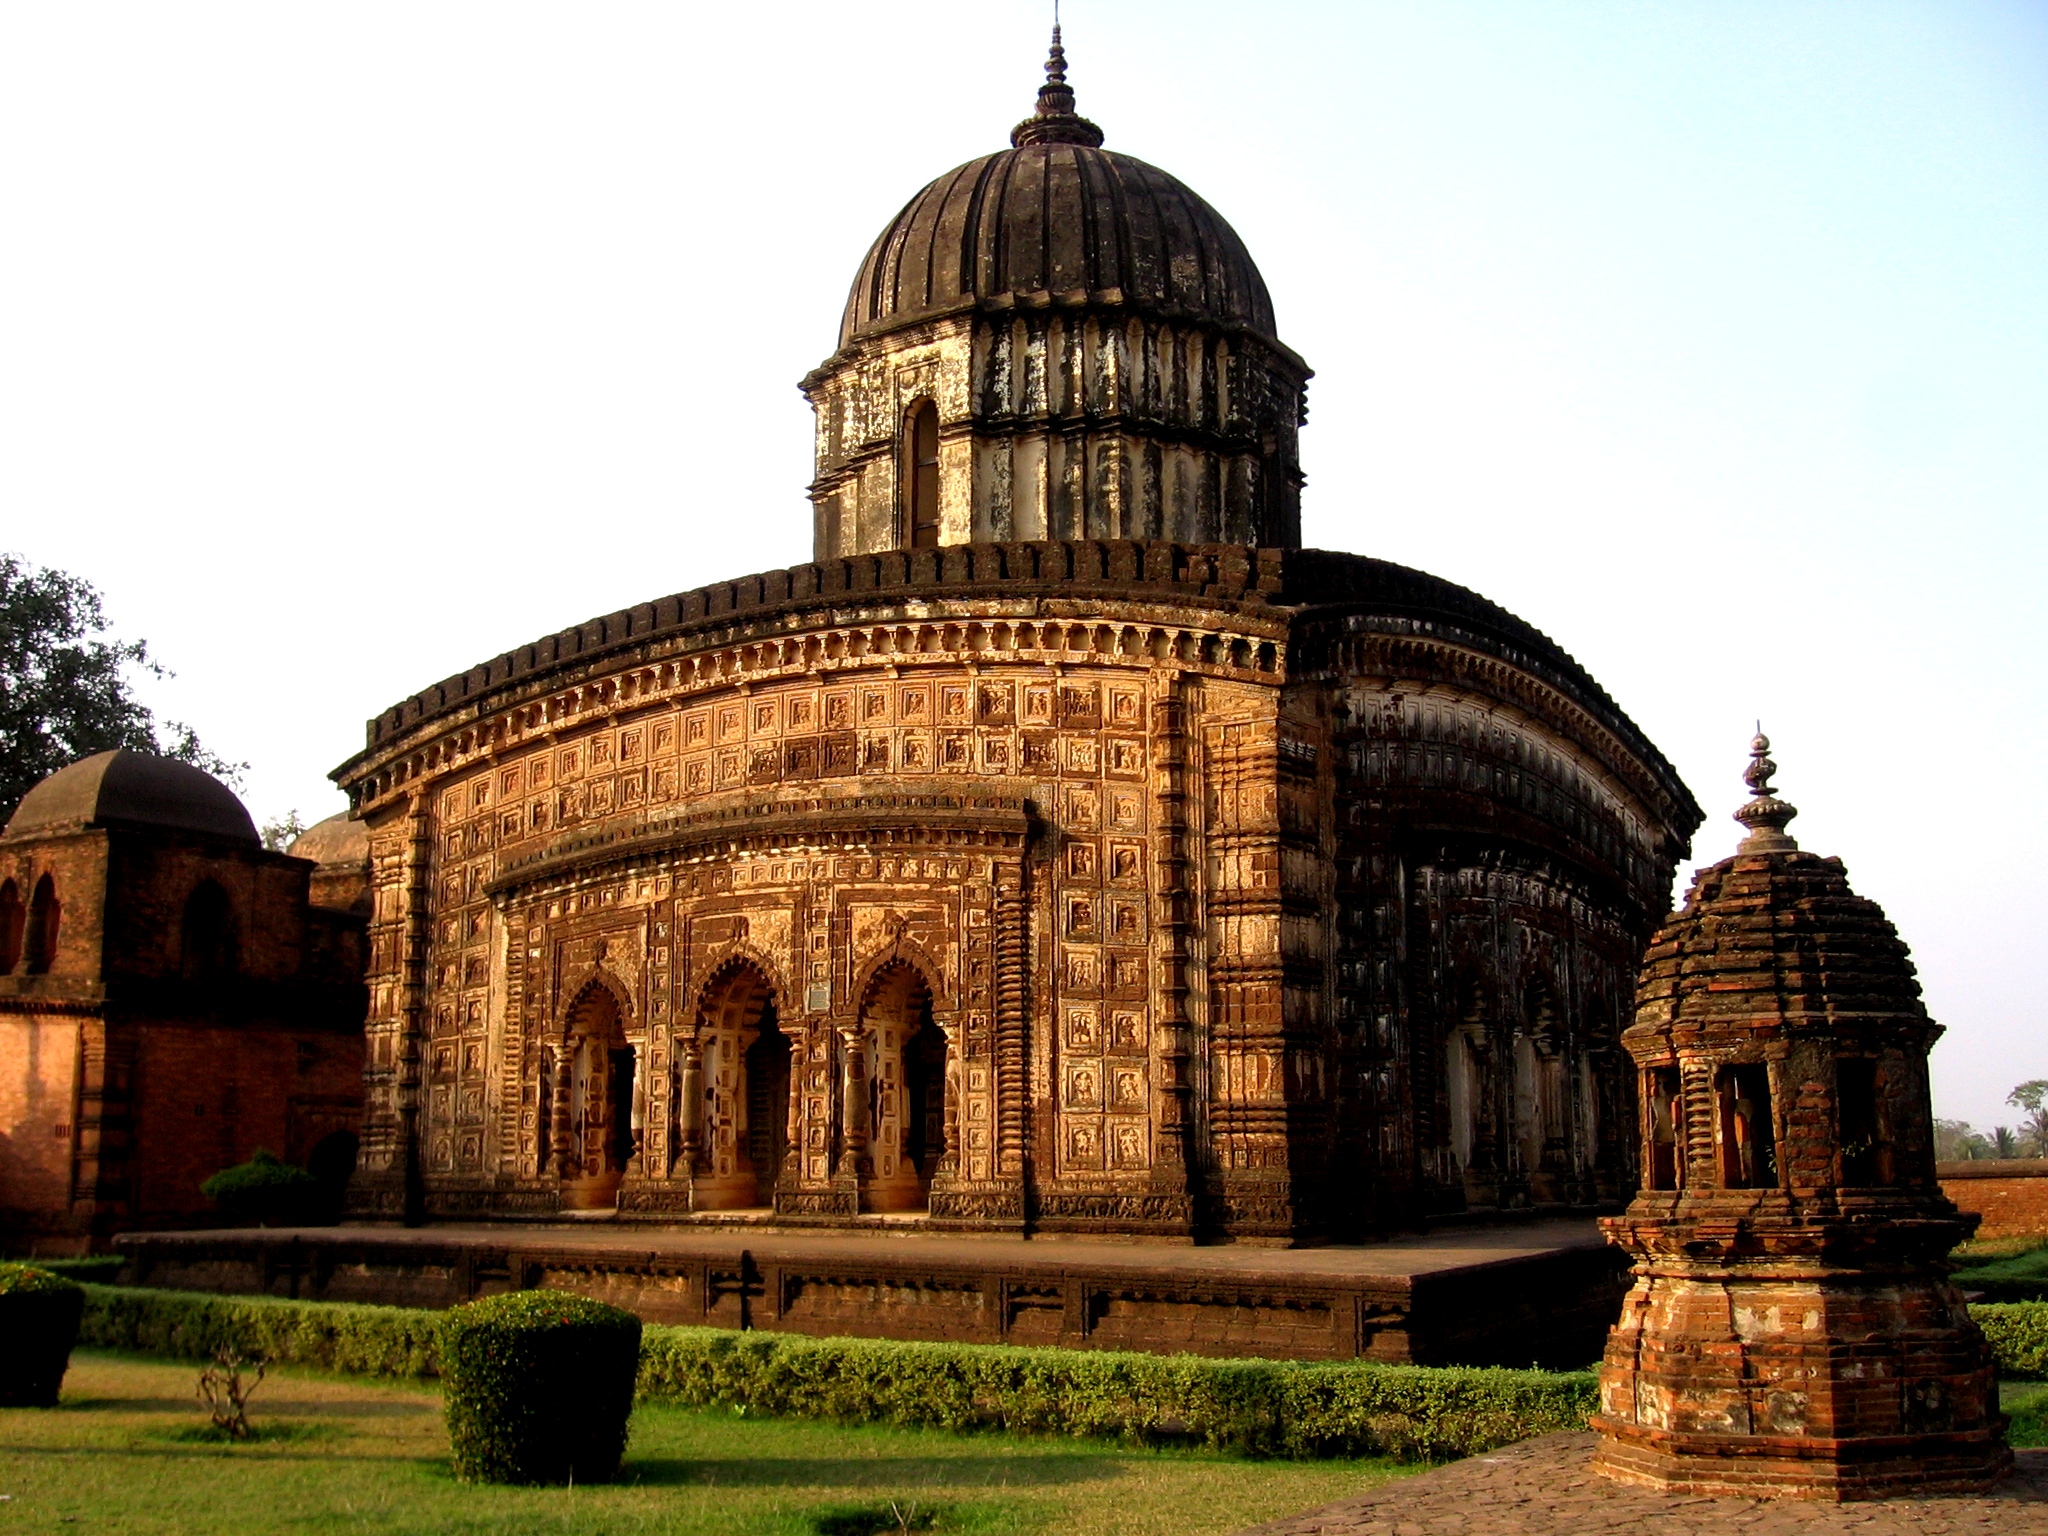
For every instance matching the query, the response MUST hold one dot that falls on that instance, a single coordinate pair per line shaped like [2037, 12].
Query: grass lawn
[122, 1454]
[2026, 1403]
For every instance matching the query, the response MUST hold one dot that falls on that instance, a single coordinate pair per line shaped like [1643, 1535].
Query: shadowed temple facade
[1063, 849]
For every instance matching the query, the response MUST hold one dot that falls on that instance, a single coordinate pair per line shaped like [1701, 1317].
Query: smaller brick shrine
[1791, 1329]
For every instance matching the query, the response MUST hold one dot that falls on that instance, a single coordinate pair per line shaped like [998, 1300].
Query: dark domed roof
[337, 840]
[133, 789]
[1060, 217]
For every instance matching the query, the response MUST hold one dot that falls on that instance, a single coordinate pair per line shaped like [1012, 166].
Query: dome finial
[1055, 121]
[1765, 815]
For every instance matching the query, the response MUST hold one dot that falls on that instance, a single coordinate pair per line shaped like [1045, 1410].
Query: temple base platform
[1538, 1292]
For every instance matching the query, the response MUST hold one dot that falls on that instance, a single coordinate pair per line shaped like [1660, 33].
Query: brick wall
[2011, 1194]
[38, 1088]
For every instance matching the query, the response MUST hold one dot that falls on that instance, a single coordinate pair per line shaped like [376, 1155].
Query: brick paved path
[1543, 1487]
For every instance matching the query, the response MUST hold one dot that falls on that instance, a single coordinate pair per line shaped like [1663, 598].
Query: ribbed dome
[1064, 220]
[135, 789]
[1054, 218]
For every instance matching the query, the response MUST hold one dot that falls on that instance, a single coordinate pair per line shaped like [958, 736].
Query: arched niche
[593, 1093]
[907, 1087]
[740, 1133]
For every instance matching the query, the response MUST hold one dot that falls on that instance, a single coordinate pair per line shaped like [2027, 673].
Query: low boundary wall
[1551, 1307]
[2011, 1194]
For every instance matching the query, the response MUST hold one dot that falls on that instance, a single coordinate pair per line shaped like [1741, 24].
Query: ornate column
[689, 1112]
[853, 1104]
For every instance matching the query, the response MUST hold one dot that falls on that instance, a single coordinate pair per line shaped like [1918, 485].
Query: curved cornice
[895, 822]
[1313, 593]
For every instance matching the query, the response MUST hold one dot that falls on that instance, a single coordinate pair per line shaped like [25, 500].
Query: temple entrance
[906, 1089]
[743, 1121]
[599, 1089]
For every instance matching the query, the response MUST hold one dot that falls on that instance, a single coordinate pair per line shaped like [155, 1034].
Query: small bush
[266, 1190]
[39, 1314]
[2018, 1332]
[332, 1335]
[539, 1386]
[1251, 1407]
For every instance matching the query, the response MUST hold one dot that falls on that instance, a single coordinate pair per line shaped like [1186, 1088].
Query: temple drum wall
[1077, 923]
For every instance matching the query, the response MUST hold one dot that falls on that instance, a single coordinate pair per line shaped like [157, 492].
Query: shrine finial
[1055, 121]
[1765, 815]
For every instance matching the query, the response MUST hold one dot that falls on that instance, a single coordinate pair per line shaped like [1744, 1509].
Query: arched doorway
[744, 1137]
[598, 1080]
[906, 1089]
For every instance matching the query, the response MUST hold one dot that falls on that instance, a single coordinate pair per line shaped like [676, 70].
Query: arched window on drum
[44, 914]
[921, 475]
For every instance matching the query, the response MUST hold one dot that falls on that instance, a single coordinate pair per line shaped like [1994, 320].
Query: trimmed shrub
[197, 1325]
[102, 1268]
[266, 1190]
[1251, 1407]
[2018, 1332]
[539, 1386]
[39, 1315]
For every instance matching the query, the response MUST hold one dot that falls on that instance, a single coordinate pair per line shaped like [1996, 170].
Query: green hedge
[538, 1387]
[1252, 1407]
[335, 1336]
[2018, 1331]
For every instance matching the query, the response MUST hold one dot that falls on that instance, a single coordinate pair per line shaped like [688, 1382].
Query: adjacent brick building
[171, 998]
[1064, 848]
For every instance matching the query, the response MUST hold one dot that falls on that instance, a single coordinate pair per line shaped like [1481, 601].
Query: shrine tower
[1792, 1329]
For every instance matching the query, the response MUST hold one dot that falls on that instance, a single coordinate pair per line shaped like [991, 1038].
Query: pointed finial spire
[1765, 815]
[1055, 121]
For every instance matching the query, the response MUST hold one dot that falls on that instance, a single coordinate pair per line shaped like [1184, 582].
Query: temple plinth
[1791, 1329]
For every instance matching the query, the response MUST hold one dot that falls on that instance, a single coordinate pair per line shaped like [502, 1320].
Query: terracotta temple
[1063, 849]
[1791, 1328]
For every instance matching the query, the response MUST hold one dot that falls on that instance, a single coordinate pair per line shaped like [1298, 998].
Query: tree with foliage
[1957, 1141]
[65, 691]
[279, 835]
[2003, 1142]
[2032, 1096]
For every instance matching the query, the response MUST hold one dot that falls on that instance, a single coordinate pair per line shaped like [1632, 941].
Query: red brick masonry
[2011, 1194]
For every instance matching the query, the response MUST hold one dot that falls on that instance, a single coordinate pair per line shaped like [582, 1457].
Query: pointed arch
[45, 914]
[901, 950]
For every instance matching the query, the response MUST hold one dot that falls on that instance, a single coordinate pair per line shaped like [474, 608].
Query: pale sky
[345, 346]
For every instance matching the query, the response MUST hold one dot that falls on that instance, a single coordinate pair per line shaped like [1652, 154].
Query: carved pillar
[1173, 1152]
[853, 1101]
[1012, 949]
[689, 1115]
[560, 1127]
[417, 938]
[637, 1112]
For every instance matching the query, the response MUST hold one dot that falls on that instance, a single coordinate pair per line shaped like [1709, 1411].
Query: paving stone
[1546, 1487]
